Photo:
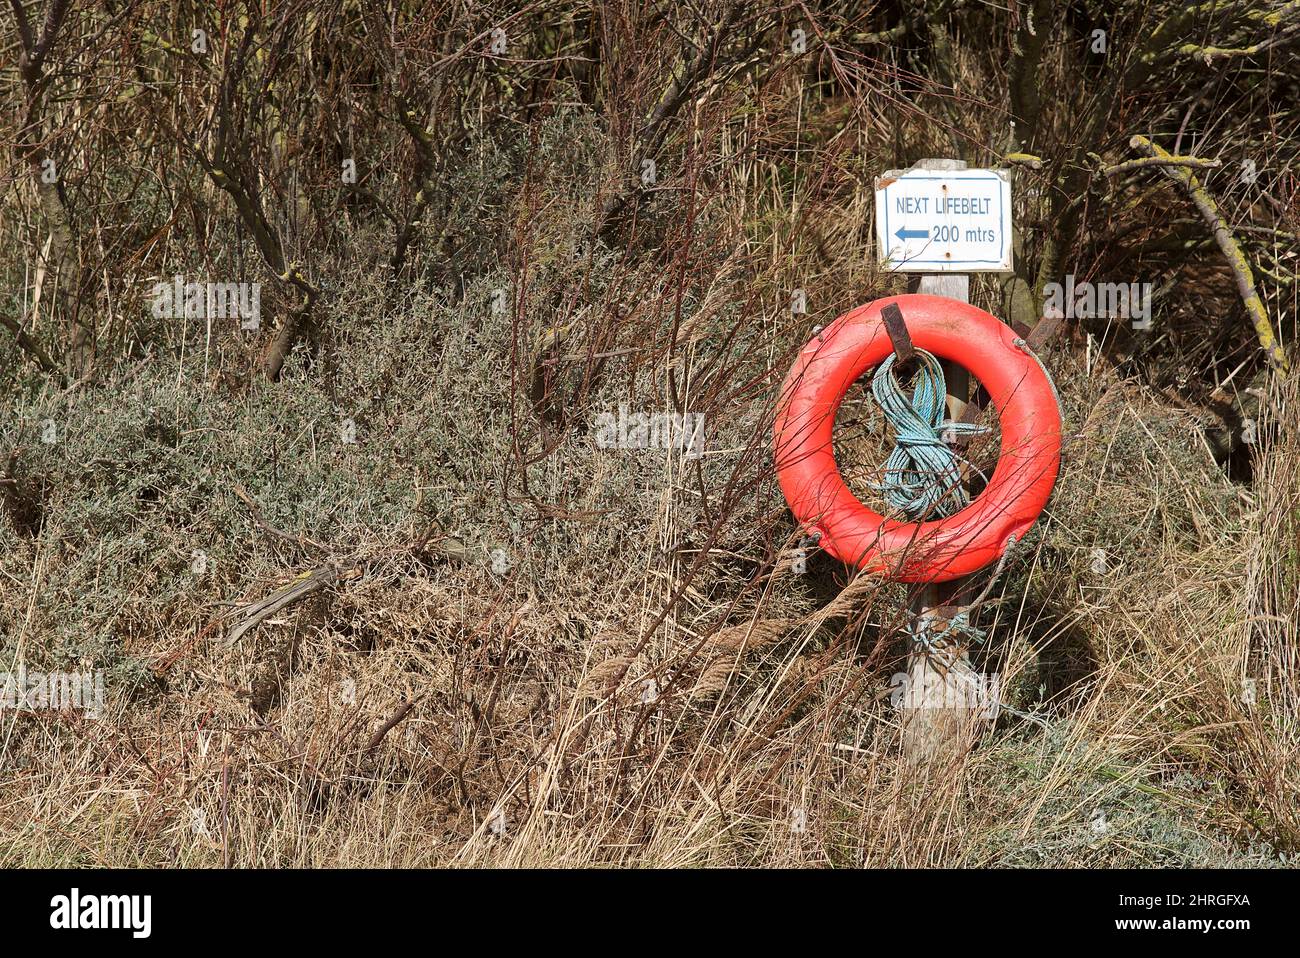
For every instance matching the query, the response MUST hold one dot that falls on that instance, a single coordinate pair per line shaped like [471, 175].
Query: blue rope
[939, 643]
[922, 475]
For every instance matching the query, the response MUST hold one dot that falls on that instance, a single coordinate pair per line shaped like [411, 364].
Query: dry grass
[766, 738]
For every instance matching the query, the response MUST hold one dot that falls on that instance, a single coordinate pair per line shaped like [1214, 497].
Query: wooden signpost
[943, 221]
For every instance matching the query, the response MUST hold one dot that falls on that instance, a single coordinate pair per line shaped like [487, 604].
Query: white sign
[939, 221]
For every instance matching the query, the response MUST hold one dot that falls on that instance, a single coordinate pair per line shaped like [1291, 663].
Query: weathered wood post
[944, 237]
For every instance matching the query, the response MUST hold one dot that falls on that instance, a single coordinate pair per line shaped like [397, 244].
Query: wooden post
[935, 726]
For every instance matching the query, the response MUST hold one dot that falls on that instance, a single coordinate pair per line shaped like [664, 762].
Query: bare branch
[1231, 249]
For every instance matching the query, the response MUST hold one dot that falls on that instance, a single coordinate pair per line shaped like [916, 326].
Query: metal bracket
[898, 335]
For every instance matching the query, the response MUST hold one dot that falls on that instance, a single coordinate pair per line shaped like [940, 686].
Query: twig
[695, 68]
[295, 591]
[402, 711]
[256, 512]
[1193, 162]
[28, 344]
[1228, 244]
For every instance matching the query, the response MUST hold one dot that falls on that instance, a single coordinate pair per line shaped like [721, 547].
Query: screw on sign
[934, 219]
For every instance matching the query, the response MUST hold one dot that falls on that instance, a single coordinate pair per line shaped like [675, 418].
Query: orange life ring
[942, 549]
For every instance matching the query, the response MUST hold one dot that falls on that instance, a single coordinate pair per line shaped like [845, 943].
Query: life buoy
[936, 550]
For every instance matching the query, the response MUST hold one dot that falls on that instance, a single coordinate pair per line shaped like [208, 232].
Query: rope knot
[922, 474]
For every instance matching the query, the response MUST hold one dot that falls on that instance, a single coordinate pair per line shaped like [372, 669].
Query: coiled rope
[922, 474]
